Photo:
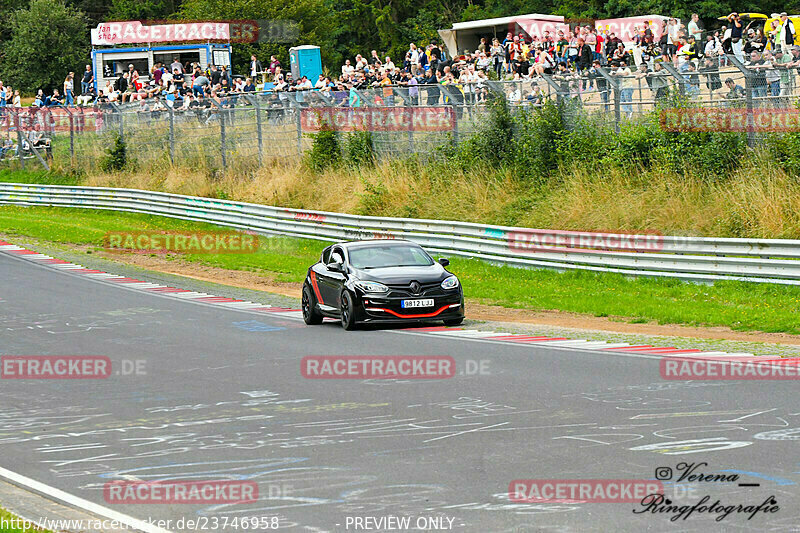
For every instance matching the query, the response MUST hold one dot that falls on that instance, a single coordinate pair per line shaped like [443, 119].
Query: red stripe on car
[314, 286]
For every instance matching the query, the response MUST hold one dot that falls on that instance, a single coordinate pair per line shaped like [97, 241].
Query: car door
[330, 282]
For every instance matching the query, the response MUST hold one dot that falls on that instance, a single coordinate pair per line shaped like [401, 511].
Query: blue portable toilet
[305, 61]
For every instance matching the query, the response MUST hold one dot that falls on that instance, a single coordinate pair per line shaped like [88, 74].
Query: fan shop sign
[133, 31]
[379, 118]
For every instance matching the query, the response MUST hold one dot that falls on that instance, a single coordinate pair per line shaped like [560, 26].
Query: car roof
[373, 242]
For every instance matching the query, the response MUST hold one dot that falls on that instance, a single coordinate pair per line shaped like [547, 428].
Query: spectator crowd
[574, 61]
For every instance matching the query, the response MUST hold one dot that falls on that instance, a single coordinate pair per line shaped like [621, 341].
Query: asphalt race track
[219, 395]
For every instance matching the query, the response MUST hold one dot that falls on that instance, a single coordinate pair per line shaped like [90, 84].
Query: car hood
[396, 275]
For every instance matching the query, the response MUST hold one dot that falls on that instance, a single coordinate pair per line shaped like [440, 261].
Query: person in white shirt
[673, 31]
[347, 68]
[468, 79]
[388, 65]
[320, 82]
[786, 34]
[414, 59]
[694, 28]
[255, 66]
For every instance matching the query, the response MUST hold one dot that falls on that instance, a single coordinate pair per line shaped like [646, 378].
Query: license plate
[428, 302]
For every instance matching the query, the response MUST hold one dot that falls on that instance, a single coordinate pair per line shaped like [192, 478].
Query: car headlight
[372, 286]
[450, 283]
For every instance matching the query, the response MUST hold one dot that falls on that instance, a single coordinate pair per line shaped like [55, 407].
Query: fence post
[298, 123]
[410, 111]
[679, 78]
[19, 140]
[748, 99]
[257, 106]
[614, 83]
[222, 140]
[71, 134]
[455, 126]
[171, 133]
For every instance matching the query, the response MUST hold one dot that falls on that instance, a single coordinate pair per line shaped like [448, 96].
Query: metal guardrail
[688, 258]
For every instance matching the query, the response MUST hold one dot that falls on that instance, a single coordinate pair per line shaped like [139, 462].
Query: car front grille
[403, 290]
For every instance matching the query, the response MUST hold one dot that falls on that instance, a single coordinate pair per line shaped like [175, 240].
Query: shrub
[116, 157]
[538, 147]
[373, 199]
[326, 149]
[360, 148]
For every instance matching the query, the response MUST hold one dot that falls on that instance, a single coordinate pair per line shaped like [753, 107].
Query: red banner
[379, 118]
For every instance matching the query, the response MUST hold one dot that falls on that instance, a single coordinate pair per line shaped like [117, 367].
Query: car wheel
[454, 321]
[348, 312]
[311, 316]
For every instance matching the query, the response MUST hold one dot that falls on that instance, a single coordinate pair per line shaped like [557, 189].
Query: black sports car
[381, 281]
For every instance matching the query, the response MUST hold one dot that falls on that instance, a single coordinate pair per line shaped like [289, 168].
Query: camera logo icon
[663, 473]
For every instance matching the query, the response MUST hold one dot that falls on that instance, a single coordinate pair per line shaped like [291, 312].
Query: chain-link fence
[243, 131]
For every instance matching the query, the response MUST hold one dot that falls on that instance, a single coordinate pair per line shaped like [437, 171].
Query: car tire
[311, 316]
[347, 310]
[454, 321]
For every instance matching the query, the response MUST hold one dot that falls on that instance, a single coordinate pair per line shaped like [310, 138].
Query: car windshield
[389, 255]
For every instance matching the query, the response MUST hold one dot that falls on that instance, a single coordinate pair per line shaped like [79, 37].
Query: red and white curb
[437, 331]
[131, 283]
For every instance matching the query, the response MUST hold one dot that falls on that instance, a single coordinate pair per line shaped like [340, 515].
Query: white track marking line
[80, 503]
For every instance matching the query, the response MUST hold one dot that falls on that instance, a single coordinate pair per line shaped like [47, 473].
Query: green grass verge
[6, 519]
[38, 176]
[738, 305]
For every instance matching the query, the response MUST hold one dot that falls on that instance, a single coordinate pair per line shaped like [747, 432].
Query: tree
[143, 10]
[314, 18]
[48, 40]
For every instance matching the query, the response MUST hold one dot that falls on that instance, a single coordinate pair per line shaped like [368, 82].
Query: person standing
[256, 67]
[176, 65]
[784, 39]
[68, 90]
[737, 46]
[694, 28]
[87, 80]
[498, 54]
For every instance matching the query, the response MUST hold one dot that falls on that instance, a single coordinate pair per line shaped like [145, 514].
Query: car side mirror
[336, 267]
[444, 261]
